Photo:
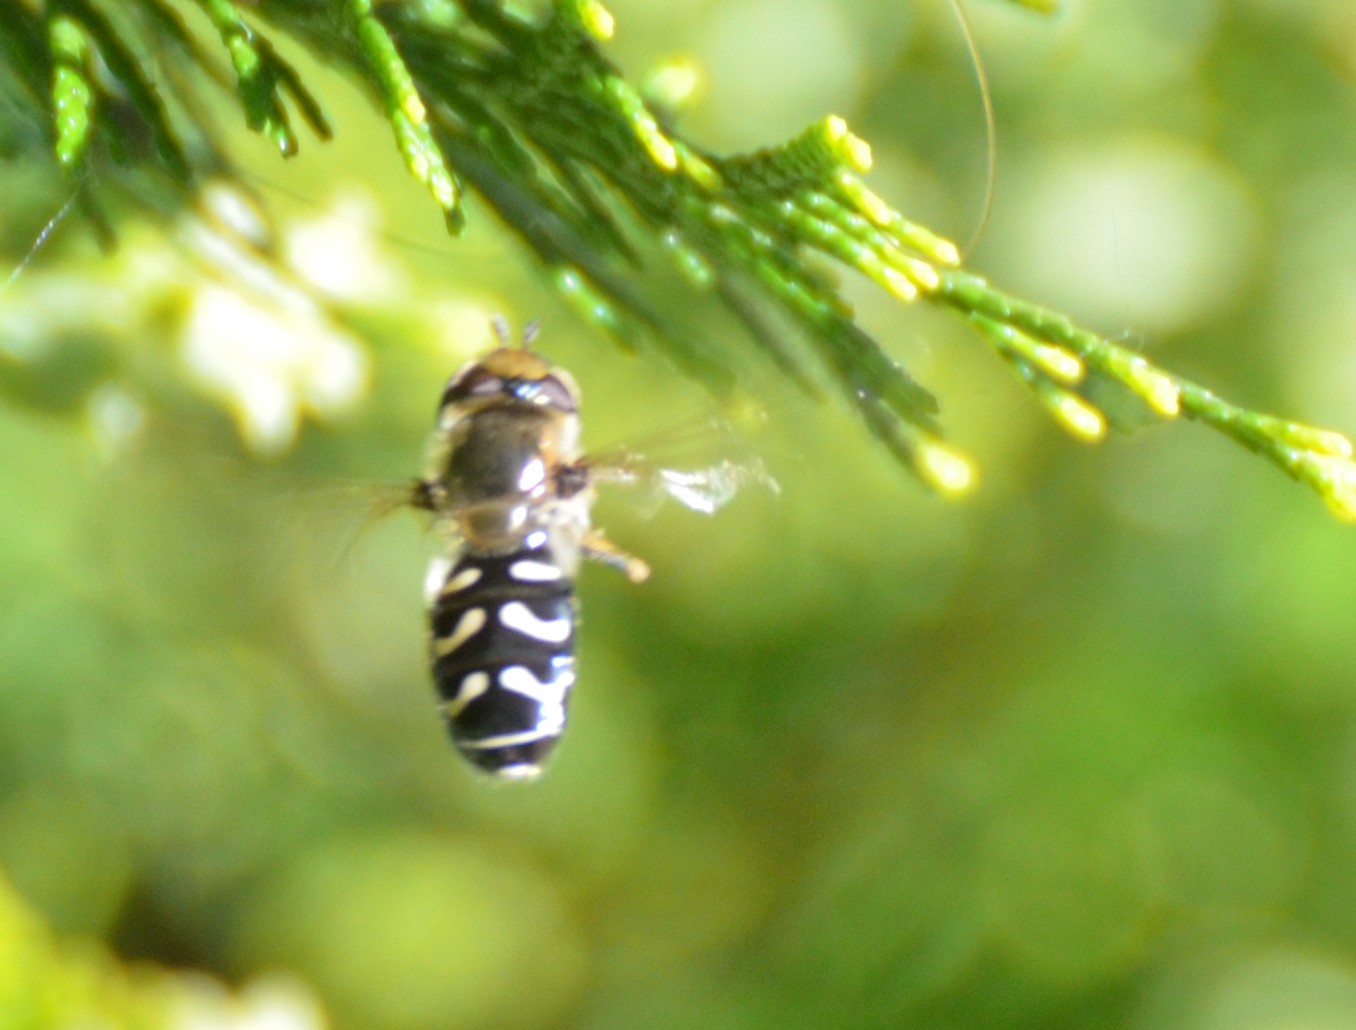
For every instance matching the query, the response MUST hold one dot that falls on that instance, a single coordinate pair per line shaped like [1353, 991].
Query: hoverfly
[507, 480]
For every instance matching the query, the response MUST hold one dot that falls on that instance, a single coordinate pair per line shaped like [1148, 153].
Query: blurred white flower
[270, 1003]
[271, 365]
[338, 252]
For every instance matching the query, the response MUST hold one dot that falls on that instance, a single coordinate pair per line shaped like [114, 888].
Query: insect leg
[598, 547]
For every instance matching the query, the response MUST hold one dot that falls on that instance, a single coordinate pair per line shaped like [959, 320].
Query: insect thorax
[496, 473]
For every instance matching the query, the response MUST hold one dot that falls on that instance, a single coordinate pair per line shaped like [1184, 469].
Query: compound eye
[557, 392]
[476, 382]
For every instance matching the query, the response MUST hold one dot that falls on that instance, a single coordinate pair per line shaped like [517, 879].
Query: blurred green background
[1077, 752]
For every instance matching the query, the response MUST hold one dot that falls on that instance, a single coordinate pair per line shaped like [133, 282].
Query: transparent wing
[690, 463]
[709, 489]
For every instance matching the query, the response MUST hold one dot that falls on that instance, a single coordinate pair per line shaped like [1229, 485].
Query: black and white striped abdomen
[502, 647]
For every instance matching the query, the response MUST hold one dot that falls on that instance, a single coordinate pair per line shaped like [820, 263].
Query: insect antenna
[501, 329]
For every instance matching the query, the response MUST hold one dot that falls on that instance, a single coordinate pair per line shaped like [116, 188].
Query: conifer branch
[1056, 357]
[534, 119]
[259, 74]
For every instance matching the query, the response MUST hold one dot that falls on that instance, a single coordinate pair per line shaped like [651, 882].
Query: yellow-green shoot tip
[1335, 478]
[597, 19]
[944, 469]
[1079, 417]
[1157, 388]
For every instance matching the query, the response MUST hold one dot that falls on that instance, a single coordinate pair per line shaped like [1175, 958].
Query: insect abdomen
[502, 647]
